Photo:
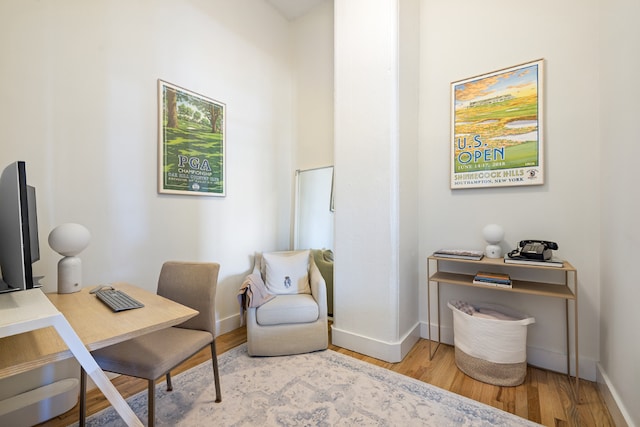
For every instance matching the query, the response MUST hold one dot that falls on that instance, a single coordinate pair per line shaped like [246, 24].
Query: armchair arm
[318, 288]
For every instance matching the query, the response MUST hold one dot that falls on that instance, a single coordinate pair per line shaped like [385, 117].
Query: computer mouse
[99, 288]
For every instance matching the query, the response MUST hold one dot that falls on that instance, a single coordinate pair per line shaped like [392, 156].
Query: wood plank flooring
[545, 397]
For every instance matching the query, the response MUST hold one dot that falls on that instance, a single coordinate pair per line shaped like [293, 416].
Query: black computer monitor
[19, 244]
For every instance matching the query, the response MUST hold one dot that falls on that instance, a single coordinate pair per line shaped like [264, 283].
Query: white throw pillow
[287, 272]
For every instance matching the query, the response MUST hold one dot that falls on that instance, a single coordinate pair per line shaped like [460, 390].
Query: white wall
[375, 158]
[620, 317]
[312, 50]
[80, 106]
[408, 176]
[78, 83]
[588, 61]
[366, 140]
[312, 109]
[468, 38]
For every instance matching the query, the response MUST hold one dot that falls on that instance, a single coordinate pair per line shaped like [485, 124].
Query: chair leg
[151, 396]
[83, 398]
[216, 374]
[169, 385]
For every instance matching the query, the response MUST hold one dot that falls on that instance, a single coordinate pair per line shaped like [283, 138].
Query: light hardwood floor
[545, 397]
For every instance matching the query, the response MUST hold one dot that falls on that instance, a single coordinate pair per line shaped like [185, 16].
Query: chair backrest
[192, 284]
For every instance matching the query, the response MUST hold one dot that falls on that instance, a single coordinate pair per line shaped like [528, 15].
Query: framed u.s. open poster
[497, 128]
[191, 142]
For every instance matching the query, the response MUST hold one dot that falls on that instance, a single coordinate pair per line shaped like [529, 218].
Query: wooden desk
[98, 326]
[32, 338]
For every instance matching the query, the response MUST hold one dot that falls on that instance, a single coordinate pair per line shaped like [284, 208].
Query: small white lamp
[69, 240]
[493, 234]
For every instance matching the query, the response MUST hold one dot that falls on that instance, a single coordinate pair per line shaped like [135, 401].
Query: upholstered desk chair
[153, 355]
[293, 322]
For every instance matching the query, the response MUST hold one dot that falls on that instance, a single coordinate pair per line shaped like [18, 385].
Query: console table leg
[432, 353]
[575, 331]
[566, 322]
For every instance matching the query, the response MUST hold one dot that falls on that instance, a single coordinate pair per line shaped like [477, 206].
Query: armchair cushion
[288, 309]
[286, 273]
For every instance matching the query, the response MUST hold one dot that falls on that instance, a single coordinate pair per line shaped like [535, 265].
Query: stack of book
[459, 254]
[553, 262]
[501, 280]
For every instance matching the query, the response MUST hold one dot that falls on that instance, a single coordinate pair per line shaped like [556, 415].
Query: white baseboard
[388, 351]
[228, 324]
[619, 413]
[540, 357]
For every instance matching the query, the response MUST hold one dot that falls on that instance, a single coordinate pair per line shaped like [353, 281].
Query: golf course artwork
[496, 128]
[191, 140]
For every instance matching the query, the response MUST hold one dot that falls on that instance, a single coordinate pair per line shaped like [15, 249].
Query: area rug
[318, 389]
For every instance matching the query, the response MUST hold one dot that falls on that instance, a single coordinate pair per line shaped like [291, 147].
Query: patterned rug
[318, 389]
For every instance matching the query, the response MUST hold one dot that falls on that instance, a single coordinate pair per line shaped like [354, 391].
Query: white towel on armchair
[252, 293]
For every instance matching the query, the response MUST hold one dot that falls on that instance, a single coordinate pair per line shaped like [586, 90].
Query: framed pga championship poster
[497, 128]
[191, 142]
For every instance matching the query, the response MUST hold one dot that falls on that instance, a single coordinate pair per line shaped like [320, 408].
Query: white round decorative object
[69, 239]
[69, 275]
[493, 251]
[493, 233]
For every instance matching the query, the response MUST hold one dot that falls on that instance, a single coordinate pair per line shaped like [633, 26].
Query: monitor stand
[4, 287]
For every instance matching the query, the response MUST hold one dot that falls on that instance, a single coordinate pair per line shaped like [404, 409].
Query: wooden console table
[567, 290]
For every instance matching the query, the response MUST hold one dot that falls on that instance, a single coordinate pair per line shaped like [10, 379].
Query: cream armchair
[289, 323]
